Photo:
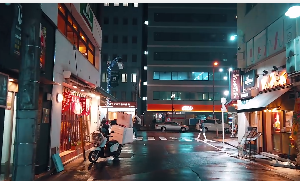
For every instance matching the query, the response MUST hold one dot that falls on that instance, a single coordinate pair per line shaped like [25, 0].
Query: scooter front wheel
[93, 156]
[118, 152]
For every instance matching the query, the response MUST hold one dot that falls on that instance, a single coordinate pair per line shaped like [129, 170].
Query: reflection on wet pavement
[169, 160]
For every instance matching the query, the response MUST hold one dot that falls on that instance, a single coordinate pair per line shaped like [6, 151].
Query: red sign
[180, 107]
[235, 79]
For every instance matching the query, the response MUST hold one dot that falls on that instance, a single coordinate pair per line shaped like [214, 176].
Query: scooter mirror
[112, 131]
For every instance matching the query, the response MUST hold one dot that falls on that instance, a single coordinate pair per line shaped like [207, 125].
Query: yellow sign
[274, 79]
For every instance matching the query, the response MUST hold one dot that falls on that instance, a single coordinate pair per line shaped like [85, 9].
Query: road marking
[139, 138]
[127, 151]
[151, 138]
[174, 138]
[163, 138]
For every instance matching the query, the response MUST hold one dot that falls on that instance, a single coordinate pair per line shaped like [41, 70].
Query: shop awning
[261, 101]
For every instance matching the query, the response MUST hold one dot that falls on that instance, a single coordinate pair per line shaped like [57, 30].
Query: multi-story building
[122, 27]
[184, 41]
[264, 34]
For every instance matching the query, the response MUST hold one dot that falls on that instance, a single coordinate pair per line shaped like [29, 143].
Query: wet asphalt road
[157, 156]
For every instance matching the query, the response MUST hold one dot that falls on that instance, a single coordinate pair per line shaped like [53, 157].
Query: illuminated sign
[235, 84]
[122, 104]
[249, 79]
[273, 80]
[187, 108]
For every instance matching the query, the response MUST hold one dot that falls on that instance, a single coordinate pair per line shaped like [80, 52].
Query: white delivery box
[121, 134]
[124, 119]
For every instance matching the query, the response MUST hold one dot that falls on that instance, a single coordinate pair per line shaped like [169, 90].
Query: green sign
[87, 14]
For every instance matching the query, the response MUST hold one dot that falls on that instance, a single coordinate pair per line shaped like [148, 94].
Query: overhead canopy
[261, 101]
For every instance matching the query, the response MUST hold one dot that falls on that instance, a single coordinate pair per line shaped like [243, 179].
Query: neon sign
[273, 80]
[187, 108]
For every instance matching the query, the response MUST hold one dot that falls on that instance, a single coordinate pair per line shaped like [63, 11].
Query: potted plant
[73, 145]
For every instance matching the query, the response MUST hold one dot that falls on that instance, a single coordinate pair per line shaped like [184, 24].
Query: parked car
[214, 125]
[171, 126]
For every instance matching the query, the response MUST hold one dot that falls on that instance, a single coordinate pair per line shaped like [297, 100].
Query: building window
[199, 75]
[124, 39]
[135, 5]
[68, 26]
[124, 58]
[106, 4]
[134, 58]
[125, 4]
[156, 95]
[134, 39]
[124, 77]
[123, 96]
[133, 77]
[125, 21]
[104, 57]
[190, 17]
[133, 96]
[115, 39]
[106, 20]
[104, 77]
[144, 98]
[116, 4]
[105, 39]
[190, 37]
[116, 20]
[114, 93]
[188, 56]
[134, 21]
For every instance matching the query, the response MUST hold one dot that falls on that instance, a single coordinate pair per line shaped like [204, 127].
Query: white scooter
[104, 148]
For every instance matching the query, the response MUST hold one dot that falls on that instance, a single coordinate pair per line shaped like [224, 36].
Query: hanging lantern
[76, 105]
[85, 102]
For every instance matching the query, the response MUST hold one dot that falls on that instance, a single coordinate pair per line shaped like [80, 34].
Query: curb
[268, 167]
[53, 170]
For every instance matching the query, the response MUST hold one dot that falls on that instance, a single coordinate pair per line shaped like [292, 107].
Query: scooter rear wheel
[93, 156]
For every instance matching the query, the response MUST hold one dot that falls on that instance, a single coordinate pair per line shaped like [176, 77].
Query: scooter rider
[104, 127]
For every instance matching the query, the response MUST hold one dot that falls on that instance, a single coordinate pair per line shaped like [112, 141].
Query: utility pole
[27, 101]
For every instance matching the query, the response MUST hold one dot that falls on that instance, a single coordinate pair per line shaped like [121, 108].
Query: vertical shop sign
[43, 36]
[249, 53]
[3, 90]
[87, 14]
[16, 31]
[275, 36]
[260, 46]
[235, 84]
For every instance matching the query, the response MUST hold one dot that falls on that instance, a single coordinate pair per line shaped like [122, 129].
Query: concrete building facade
[184, 40]
[122, 26]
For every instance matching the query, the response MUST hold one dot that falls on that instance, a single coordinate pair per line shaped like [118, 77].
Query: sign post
[223, 109]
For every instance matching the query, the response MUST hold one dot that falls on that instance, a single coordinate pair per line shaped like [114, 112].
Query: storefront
[270, 112]
[181, 113]
[114, 107]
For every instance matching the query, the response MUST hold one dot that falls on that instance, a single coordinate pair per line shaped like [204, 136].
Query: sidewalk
[230, 147]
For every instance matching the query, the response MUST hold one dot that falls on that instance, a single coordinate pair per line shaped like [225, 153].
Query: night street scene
[150, 91]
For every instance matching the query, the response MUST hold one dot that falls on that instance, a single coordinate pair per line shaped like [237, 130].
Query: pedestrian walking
[202, 130]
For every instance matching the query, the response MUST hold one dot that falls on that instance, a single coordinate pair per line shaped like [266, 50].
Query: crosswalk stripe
[151, 138]
[174, 138]
[163, 138]
[139, 138]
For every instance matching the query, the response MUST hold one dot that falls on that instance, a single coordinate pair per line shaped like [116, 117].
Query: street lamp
[233, 37]
[172, 98]
[214, 65]
[226, 93]
[293, 12]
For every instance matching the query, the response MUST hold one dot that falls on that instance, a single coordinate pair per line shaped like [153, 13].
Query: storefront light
[10, 80]
[92, 95]
[82, 90]
[59, 98]
[75, 87]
